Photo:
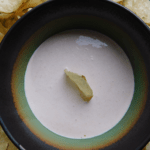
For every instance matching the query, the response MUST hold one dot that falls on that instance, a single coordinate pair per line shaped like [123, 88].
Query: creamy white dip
[56, 102]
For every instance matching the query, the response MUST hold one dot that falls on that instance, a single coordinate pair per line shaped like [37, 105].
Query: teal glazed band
[140, 76]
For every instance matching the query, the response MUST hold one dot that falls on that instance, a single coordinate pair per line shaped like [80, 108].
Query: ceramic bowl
[17, 47]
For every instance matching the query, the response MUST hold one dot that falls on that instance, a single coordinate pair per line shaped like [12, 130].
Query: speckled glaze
[128, 31]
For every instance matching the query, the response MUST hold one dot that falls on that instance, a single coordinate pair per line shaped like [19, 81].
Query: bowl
[132, 132]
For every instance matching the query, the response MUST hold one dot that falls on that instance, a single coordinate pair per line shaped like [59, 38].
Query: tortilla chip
[3, 29]
[1, 36]
[9, 6]
[147, 147]
[80, 81]
[140, 7]
[5, 143]
[5, 15]
[4, 146]
[10, 21]
[118, 1]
